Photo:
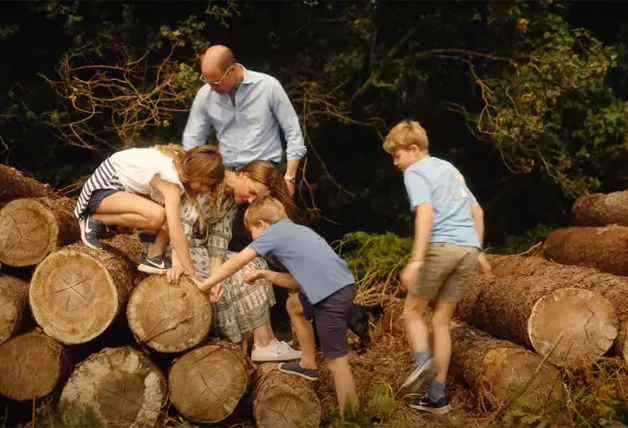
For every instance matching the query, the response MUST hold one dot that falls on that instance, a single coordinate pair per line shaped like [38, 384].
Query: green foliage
[375, 260]
[516, 244]
[380, 409]
[73, 415]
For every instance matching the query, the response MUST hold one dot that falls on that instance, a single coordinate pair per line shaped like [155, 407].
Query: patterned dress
[242, 307]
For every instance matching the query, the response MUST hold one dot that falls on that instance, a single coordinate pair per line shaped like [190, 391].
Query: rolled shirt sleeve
[288, 120]
[198, 124]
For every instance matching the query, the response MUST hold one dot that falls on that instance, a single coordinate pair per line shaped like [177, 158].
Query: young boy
[449, 229]
[326, 289]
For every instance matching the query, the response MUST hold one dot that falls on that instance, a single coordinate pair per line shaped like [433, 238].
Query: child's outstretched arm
[227, 269]
[172, 199]
[280, 279]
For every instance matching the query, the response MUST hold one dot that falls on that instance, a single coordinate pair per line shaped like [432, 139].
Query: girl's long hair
[202, 161]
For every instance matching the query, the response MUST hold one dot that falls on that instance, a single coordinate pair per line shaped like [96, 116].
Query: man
[246, 109]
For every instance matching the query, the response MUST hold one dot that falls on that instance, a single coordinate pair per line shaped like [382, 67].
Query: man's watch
[290, 179]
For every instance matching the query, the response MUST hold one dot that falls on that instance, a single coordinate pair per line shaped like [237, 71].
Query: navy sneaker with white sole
[420, 375]
[158, 264]
[426, 404]
[91, 231]
[295, 369]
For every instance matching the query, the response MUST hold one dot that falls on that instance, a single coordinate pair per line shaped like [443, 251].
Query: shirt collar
[247, 76]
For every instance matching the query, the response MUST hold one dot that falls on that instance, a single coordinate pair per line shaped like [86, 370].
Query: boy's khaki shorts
[444, 272]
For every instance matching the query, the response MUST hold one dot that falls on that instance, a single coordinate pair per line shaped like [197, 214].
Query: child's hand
[199, 284]
[483, 265]
[251, 277]
[216, 292]
[410, 274]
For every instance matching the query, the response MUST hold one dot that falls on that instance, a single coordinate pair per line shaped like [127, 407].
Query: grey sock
[436, 391]
[421, 357]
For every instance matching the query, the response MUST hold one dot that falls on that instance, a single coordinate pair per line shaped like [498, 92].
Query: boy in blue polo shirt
[326, 289]
[449, 229]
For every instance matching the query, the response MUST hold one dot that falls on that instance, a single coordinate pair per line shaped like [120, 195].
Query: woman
[207, 221]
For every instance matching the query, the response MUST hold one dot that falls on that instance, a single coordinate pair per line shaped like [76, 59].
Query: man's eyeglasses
[216, 82]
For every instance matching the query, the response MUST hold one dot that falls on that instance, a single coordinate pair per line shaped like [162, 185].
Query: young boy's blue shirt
[319, 271]
[438, 182]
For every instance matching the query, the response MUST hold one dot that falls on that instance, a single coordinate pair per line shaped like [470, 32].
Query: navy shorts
[330, 316]
[96, 198]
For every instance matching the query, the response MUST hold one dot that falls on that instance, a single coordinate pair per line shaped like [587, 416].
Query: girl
[129, 189]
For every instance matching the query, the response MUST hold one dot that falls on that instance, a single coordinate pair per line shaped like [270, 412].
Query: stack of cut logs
[74, 299]
[567, 309]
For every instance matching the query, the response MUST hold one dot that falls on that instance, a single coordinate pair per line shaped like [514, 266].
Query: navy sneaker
[426, 404]
[158, 264]
[421, 374]
[295, 369]
[91, 232]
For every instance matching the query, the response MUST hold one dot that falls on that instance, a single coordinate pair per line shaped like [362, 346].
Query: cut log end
[28, 232]
[498, 370]
[207, 383]
[585, 319]
[121, 385]
[33, 364]
[73, 296]
[283, 401]
[168, 317]
[13, 306]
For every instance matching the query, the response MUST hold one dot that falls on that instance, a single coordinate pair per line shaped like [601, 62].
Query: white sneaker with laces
[275, 351]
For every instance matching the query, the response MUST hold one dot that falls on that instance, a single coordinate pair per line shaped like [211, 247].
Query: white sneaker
[275, 351]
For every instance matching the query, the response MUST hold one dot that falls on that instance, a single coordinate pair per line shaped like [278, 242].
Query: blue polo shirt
[319, 271]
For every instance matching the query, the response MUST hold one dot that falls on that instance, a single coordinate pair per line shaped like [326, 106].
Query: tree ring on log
[586, 319]
[28, 232]
[73, 296]
[168, 317]
[121, 385]
[207, 383]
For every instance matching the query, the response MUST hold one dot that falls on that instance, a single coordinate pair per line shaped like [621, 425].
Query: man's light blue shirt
[250, 129]
[438, 182]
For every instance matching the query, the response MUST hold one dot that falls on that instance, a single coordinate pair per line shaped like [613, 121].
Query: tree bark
[497, 370]
[121, 385]
[30, 229]
[614, 288]
[13, 306]
[16, 185]
[33, 365]
[207, 383]
[604, 248]
[599, 209]
[77, 292]
[535, 310]
[168, 317]
[282, 400]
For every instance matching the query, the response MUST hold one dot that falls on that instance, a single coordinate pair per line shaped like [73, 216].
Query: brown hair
[201, 161]
[266, 209]
[265, 173]
[405, 134]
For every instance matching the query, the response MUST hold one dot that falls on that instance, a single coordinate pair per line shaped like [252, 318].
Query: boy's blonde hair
[405, 134]
[266, 209]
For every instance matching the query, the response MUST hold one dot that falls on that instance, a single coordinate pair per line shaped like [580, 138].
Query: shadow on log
[121, 385]
[13, 306]
[207, 383]
[282, 400]
[534, 310]
[498, 370]
[169, 317]
[77, 292]
[599, 209]
[30, 229]
[32, 365]
[16, 185]
[604, 248]
[614, 288]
